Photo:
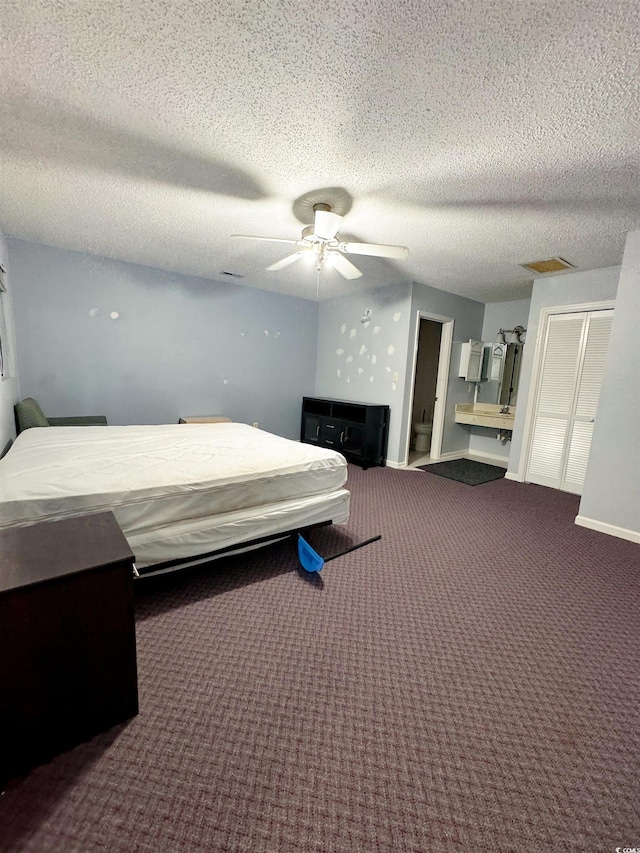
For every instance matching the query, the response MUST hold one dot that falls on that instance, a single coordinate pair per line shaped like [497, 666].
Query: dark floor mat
[465, 471]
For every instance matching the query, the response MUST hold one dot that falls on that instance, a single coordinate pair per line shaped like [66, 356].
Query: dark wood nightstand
[67, 637]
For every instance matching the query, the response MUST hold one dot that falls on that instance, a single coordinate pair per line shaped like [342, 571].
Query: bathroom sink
[485, 414]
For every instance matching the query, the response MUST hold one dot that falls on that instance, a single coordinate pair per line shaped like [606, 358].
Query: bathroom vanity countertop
[486, 415]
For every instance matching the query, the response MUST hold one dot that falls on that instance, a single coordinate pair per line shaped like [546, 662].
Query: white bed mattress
[176, 490]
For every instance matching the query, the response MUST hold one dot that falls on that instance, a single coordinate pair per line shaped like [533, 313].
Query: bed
[180, 493]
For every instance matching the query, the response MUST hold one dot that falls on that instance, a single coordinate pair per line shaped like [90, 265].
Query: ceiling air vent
[233, 274]
[550, 265]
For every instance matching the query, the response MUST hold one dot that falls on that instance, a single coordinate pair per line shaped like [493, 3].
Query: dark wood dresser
[357, 430]
[67, 637]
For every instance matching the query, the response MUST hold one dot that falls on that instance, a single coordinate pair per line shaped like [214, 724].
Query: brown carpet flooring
[468, 683]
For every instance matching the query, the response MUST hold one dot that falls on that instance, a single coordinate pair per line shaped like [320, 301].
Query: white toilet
[423, 436]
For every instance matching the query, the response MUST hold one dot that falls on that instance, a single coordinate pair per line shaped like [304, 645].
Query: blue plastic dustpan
[311, 561]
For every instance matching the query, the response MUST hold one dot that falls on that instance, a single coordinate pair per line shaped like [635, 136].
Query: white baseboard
[511, 476]
[444, 457]
[610, 529]
[459, 454]
[452, 454]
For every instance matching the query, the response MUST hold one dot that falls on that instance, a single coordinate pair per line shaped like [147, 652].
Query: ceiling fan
[321, 242]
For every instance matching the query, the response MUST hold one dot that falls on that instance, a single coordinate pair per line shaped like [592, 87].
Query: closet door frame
[536, 374]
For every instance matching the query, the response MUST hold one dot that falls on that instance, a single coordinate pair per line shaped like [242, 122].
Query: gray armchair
[29, 414]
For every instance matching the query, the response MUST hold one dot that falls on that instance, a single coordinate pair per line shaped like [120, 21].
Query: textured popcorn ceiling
[479, 134]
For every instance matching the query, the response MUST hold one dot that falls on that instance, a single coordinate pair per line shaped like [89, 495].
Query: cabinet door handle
[330, 426]
[342, 437]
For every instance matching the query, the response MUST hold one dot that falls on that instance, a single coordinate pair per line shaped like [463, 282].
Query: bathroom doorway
[429, 389]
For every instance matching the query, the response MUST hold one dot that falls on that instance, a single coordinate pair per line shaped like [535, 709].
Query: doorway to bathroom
[429, 388]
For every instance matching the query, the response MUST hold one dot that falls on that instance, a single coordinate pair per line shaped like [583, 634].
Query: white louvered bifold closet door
[598, 331]
[575, 351]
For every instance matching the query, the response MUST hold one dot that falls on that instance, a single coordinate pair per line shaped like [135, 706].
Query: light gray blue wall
[467, 316]
[180, 346]
[497, 315]
[9, 384]
[504, 315]
[357, 361]
[611, 493]
[570, 289]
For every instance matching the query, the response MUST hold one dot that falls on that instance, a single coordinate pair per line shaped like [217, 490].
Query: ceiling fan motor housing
[326, 223]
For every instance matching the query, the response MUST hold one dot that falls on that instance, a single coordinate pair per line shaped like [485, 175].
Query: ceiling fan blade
[374, 249]
[326, 224]
[290, 259]
[269, 239]
[344, 267]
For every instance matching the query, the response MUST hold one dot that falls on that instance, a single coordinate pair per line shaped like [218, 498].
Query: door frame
[442, 382]
[536, 373]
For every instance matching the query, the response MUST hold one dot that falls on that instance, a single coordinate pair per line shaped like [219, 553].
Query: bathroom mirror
[511, 375]
[502, 369]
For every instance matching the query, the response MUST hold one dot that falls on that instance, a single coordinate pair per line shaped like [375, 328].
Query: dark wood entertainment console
[358, 430]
